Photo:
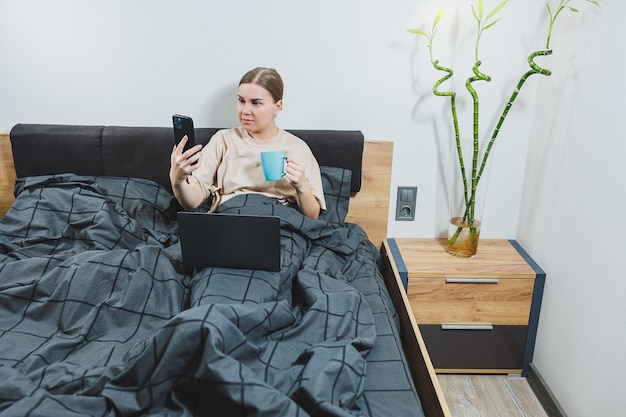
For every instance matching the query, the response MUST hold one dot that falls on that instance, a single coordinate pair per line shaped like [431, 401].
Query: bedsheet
[98, 316]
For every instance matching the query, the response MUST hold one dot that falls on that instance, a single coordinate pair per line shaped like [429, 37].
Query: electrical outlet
[405, 205]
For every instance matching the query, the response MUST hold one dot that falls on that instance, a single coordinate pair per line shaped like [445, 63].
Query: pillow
[336, 183]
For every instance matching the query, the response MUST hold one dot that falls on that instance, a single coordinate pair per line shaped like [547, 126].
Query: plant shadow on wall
[469, 170]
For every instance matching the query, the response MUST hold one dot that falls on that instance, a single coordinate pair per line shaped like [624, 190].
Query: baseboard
[543, 393]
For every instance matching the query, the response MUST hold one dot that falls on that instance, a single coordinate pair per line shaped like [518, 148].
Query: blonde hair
[268, 78]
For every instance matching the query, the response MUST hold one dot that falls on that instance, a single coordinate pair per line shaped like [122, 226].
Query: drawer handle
[472, 280]
[466, 327]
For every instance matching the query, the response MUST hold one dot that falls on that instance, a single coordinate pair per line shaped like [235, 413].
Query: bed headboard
[144, 152]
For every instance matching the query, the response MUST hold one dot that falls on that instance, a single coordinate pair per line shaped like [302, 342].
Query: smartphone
[183, 125]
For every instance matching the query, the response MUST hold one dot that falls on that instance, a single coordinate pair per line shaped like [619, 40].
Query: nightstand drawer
[470, 300]
[498, 349]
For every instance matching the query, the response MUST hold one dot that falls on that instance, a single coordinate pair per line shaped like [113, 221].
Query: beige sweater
[231, 165]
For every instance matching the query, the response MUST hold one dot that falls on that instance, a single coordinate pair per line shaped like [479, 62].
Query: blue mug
[273, 163]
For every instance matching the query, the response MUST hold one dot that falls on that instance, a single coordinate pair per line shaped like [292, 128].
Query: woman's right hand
[182, 164]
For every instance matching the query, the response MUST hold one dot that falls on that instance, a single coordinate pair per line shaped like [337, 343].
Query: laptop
[239, 241]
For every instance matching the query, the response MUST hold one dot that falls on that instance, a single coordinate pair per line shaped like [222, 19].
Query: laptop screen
[229, 240]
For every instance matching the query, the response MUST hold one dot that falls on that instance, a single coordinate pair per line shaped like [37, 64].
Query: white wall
[571, 216]
[350, 65]
[346, 64]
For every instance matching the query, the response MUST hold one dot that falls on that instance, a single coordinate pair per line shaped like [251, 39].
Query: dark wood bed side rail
[426, 383]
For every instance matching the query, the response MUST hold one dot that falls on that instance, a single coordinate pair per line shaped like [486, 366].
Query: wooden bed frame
[369, 208]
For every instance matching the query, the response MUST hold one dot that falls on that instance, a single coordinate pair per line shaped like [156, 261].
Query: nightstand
[477, 315]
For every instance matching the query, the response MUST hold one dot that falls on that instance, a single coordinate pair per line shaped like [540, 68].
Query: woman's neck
[265, 134]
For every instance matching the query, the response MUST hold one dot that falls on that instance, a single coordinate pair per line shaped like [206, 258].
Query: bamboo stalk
[534, 69]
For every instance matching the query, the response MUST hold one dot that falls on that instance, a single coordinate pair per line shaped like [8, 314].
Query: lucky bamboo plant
[470, 183]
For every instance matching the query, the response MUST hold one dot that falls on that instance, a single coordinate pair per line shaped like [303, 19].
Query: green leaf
[481, 8]
[572, 9]
[439, 16]
[491, 24]
[549, 10]
[475, 15]
[417, 32]
[497, 9]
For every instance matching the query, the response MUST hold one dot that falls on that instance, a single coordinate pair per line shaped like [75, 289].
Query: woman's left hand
[294, 172]
[306, 202]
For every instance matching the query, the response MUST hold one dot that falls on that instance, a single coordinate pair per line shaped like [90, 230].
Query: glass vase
[466, 202]
[463, 237]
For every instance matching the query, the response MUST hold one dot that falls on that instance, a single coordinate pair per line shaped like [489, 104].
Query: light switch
[406, 195]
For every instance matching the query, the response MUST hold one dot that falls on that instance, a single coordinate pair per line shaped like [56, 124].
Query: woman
[230, 163]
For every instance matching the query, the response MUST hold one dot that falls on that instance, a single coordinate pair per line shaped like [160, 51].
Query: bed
[99, 317]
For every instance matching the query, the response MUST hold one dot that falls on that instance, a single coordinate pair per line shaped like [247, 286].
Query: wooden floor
[489, 396]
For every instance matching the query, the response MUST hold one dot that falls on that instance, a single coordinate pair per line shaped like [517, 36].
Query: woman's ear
[279, 107]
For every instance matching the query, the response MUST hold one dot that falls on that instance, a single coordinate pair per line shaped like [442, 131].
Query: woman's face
[256, 110]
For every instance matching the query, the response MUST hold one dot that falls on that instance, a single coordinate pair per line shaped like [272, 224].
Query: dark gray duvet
[99, 318]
